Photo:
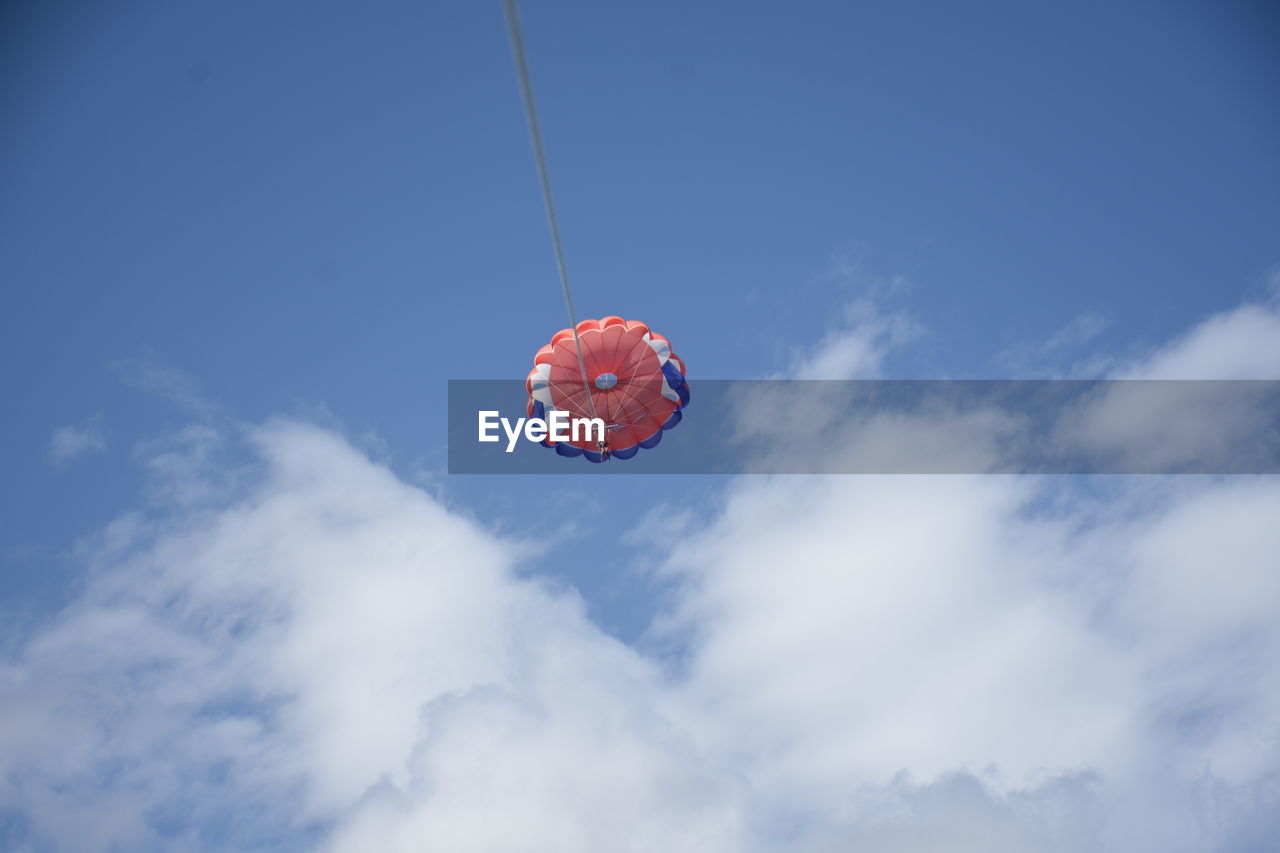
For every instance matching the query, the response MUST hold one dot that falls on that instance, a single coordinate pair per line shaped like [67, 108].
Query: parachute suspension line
[544, 179]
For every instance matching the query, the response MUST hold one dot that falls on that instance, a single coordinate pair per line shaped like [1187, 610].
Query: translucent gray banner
[913, 427]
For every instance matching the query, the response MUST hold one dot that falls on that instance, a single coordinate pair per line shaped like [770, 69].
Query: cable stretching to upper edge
[531, 113]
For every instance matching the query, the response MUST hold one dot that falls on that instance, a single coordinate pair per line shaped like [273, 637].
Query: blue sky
[215, 214]
[328, 206]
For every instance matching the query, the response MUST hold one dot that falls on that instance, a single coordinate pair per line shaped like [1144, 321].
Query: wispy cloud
[71, 442]
[148, 372]
[1061, 354]
[865, 330]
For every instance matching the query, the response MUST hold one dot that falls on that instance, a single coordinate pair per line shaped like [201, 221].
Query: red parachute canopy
[637, 386]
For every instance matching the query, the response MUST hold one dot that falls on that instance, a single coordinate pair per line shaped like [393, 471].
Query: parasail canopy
[633, 382]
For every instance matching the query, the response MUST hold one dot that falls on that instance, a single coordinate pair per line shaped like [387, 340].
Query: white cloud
[852, 628]
[856, 349]
[865, 330]
[1239, 344]
[329, 646]
[71, 442]
[1156, 425]
[1024, 632]
[861, 626]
